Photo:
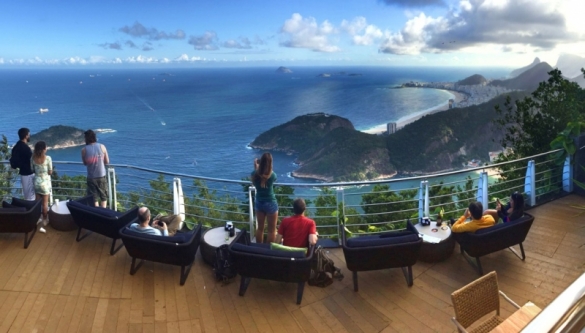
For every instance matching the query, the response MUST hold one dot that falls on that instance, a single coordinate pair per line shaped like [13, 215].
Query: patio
[59, 285]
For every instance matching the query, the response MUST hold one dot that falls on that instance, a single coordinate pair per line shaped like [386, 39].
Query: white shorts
[28, 187]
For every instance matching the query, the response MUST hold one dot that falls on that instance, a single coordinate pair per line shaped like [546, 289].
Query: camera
[160, 223]
[425, 221]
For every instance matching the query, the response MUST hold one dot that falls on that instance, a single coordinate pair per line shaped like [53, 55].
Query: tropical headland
[329, 148]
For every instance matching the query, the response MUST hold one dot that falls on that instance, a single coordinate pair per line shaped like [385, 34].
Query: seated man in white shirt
[144, 227]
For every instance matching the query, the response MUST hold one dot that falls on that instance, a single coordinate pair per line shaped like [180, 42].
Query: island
[329, 148]
[283, 70]
[59, 136]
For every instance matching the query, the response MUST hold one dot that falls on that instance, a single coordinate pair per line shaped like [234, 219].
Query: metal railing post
[178, 200]
[112, 195]
[568, 175]
[530, 182]
[427, 201]
[482, 189]
[252, 230]
[340, 194]
[421, 200]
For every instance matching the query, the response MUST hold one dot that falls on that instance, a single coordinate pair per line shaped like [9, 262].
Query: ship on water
[43, 110]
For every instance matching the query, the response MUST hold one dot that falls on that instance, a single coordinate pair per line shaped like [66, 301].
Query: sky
[124, 33]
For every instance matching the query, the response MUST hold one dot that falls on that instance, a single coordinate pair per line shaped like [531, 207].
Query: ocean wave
[105, 130]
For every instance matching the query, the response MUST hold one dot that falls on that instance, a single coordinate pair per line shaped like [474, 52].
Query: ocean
[200, 121]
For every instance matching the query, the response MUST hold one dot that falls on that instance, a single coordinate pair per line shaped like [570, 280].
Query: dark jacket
[21, 154]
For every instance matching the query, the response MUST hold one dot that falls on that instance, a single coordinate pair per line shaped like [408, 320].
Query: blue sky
[277, 32]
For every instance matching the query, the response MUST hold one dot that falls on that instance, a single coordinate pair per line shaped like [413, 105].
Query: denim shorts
[267, 207]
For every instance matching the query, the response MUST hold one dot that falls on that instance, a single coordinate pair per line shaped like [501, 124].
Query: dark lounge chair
[256, 261]
[178, 250]
[388, 250]
[20, 216]
[493, 239]
[104, 221]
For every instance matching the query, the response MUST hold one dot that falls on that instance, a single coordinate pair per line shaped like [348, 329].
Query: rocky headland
[328, 148]
[59, 136]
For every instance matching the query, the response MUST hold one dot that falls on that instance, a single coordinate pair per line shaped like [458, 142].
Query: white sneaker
[45, 222]
[40, 220]
[42, 230]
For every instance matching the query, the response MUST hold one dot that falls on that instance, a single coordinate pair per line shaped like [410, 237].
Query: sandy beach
[400, 123]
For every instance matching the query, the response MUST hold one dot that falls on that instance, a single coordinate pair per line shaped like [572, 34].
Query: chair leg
[476, 265]
[244, 282]
[300, 289]
[134, 268]
[27, 241]
[184, 273]
[78, 238]
[407, 271]
[355, 281]
[516, 253]
[113, 249]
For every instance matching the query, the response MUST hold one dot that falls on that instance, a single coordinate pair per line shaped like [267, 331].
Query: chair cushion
[395, 234]
[266, 252]
[280, 247]
[179, 238]
[28, 204]
[7, 205]
[13, 210]
[367, 241]
[96, 210]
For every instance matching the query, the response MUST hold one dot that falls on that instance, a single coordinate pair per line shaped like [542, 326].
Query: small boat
[41, 110]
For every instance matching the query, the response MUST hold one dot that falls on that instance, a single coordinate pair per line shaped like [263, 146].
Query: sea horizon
[199, 121]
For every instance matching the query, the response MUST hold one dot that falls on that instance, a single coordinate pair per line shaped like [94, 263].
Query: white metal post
[568, 175]
[340, 194]
[482, 189]
[427, 213]
[421, 201]
[530, 182]
[178, 200]
[252, 230]
[112, 196]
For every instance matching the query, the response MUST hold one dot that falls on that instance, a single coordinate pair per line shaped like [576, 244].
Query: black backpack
[223, 268]
[323, 269]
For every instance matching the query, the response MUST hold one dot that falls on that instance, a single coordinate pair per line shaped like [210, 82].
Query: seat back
[476, 299]
[399, 251]
[11, 221]
[284, 268]
[177, 250]
[496, 238]
[103, 221]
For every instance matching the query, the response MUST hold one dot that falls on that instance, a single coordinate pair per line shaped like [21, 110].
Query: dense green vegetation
[434, 142]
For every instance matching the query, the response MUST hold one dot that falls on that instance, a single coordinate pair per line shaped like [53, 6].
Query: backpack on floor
[223, 268]
[323, 269]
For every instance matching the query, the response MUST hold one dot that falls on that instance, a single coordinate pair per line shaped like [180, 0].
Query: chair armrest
[459, 327]
[509, 299]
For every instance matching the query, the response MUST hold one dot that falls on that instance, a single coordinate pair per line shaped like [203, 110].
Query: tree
[385, 209]
[531, 124]
[8, 174]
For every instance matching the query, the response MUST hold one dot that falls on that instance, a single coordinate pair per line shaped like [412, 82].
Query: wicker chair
[476, 300]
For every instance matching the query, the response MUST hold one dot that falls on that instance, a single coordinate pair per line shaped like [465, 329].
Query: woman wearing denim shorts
[266, 206]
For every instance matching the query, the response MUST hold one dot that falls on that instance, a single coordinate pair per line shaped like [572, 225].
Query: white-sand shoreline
[382, 128]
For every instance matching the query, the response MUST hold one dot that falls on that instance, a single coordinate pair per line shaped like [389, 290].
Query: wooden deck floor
[59, 285]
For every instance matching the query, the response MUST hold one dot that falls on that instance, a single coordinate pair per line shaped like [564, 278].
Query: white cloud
[305, 33]
[1, 60]
[536, 24]
[361, 32]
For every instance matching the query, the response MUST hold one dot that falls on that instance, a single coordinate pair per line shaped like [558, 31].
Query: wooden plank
[55, 315]
[99, 319]
[24, 312]
[124, 315]
[12, 311]
[111, 317]
[88, 315]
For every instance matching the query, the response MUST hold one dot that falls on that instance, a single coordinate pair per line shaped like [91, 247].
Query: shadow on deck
[59, 285]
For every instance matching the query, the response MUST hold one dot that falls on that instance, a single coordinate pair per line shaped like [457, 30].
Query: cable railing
[366, 207]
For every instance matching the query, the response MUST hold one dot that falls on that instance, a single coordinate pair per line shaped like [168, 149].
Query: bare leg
[260, 217]
[104, 204]
[45, 204]
[272, 219]
[493, 213]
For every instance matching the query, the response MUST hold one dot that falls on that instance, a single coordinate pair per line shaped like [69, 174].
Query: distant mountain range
[527, 80]
[475, 79]
[519, 71]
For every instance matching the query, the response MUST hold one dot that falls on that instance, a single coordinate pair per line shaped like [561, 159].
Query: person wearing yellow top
[478, 220]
